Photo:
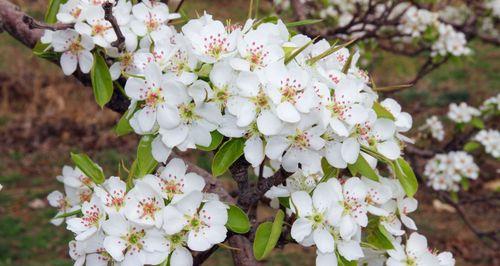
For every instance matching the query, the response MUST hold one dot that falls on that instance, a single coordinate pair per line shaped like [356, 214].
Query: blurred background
[45, 115]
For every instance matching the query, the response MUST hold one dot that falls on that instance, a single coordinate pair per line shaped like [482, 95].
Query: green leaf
[471, 146]
[465, 183]
[406, 176]
[477, 122]
[101, 80]
[344, 262]
[50, 15]
[284, 201]
[328, 170]
[348, 63]
[296, 52]
[41, 50]
[237, 220]
[216, 141]
[205, 70]
[123, 127]
[363, 167]
[68, 214]
[145, 161]
[303, 22]
[382, 112]
[377, 235]
[228, 153]
[267, 236]
[88, 167]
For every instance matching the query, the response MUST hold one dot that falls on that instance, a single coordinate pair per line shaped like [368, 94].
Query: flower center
[187, 112]
[261, 100]
[75, 47]
[289, 89]
[300, 139]
[153, 98]
[215, 45]
[91, 217]
[148, 207]
[99, 29]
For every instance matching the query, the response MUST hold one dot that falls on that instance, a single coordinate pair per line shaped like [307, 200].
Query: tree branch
[11, 21]
[108, 15]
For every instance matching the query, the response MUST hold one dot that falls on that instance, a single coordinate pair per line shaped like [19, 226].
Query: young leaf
[377, 235]
[284, 201]
[348, 63]
[477, 122]
[41, 50]
[237, 220]
[102, 84]
[406, 177]
[50, 15]
[328, 170]
[344, 262]
[123, 127]
[465, 183]
[145, 161]
[88, 167]
[68, 214]
[267, 236]
[216, 141]
[228, 153]
[471, 146]
[302, 22]
[382, 112]
[296, 52]
[363, 167]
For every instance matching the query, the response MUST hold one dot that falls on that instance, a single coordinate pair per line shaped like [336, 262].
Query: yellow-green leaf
[88, 167]
[237, 220]
[382, 112]
[267, 236]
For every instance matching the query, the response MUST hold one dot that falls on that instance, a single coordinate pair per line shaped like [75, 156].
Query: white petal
[287, 112]
[254, 151]
[324, 240]
[268, 123]
[350, 250]
[301, 228]
[302, 203]
[350, 150]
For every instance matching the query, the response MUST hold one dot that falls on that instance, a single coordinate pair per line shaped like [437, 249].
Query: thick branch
[11, 21]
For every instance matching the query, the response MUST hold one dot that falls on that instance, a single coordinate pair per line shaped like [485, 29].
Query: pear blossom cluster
[492, 103]
[447, 171]
[296, 102]
[161, 216]
[333, 215]
[286, 111]
[490, 139]
[462, 113]
[417, 23]
[435, 127]
[414, 24]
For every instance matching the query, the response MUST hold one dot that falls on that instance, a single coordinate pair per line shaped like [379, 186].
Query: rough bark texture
[11, 21]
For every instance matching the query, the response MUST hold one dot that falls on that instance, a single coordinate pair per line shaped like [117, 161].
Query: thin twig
[108, 15]
[178, 8]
